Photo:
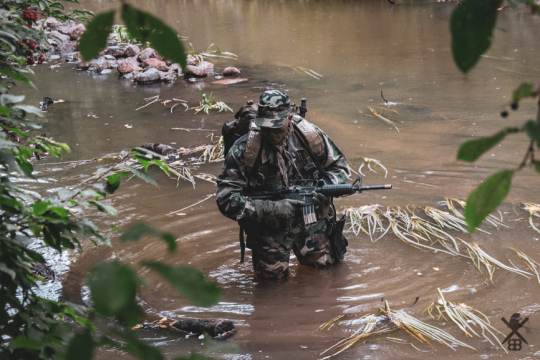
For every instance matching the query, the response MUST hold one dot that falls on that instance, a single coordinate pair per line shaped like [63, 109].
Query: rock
[52, 23]
[148, 77]
[229, 71]
[116, 51]
[83, 65]
[128, 65]
[158, 64]
[176, 67]
[54, 57]
[168, 76]
[76, 31]
[208, 67]
[77, 56]
[196, 71]
[106, 71]
[62, 38]
[67, 47]
[147, 54]
[132, 50]
[128, 76]
[109, 57]
[101, 64]
[229, 81]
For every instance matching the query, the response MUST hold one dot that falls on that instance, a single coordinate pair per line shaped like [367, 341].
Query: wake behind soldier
[280, 148]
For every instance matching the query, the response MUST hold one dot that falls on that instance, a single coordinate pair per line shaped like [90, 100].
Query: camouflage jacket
[233, 180]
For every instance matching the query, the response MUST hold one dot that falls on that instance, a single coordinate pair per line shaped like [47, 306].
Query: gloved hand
[322, 202]
[283, 209]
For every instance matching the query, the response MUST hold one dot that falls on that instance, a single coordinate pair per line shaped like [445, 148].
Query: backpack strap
[310, 134]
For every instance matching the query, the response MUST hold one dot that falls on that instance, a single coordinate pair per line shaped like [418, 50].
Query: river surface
[358, 48]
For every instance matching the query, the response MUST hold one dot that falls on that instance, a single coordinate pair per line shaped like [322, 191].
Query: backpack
[235, 129]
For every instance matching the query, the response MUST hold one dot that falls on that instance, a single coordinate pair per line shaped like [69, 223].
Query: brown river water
[359, 48]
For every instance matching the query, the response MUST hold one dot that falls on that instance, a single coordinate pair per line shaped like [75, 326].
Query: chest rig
[302, 128]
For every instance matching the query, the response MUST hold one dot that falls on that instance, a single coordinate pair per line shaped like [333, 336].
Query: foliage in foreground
[472, 25]
[32, 327]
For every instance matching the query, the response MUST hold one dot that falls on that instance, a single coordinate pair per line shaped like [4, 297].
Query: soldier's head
[274, 115]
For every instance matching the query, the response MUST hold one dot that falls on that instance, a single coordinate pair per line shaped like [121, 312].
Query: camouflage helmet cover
[274, 107]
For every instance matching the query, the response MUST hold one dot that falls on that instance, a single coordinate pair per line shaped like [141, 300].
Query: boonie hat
[274, 107]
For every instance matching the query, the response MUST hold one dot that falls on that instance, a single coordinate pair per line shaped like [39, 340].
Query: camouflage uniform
[270, 238]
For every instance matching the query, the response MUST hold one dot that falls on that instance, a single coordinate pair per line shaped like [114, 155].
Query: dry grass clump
[534, 210]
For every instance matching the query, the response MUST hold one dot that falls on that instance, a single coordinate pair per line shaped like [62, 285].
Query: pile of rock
[67, 33]
[142, 66]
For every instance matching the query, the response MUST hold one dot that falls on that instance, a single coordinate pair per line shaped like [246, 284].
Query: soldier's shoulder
[239, 146]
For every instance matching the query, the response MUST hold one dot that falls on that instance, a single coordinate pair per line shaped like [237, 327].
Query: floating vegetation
[479, 257]
[215, 152]
[365, 215]
[420, 330]
[369, 161]
[391, 320]
[530, 262]
[490, 218]
[534, 210]
[388, 121]
[207, 103]
[446, 220]
[464, 316]
[310, 72]
[211, 51]
[192, 205]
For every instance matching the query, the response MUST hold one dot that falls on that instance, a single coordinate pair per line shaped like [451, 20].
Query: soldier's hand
[321, 202]
[287, 208]
[280, 209]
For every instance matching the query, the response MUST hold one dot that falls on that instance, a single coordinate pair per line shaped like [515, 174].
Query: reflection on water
[360, 49]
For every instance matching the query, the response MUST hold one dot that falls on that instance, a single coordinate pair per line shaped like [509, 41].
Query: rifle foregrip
[337, 190]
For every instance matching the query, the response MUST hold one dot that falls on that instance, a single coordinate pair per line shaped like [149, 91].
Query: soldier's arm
[230, 183]
[334, 161]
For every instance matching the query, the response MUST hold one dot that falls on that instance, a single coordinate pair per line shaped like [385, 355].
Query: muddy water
[360, 49]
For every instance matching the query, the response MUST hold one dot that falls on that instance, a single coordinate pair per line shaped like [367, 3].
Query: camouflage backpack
[235, 129]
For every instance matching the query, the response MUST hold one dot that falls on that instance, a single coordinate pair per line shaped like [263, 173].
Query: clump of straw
[368, 162]
[479, 257]
[391, 320]
[420, 330]
[490, 218]
[365, 215]
[215, 152]
[464, 316]
[530, 262]
[534, 210]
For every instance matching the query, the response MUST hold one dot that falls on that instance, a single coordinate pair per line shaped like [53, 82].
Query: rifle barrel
[376, 187]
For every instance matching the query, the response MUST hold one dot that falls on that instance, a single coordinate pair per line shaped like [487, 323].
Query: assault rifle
[304, 193]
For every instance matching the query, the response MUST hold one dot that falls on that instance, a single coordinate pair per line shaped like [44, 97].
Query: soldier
[267, 160]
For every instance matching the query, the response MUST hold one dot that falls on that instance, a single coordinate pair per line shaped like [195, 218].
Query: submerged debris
[388, 121]
[214, 328]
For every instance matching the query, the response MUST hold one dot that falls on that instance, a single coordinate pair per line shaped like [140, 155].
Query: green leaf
[22, 341]
[60, 211]
[4, 111]
[17, 76]
[537, 166]
[105, 208]
[487, 197]
[40, 207]
[113, 287]
[8, 271]
[190, 282]
[80, 347]
[113, 183]
[524, 90]
[532, 128]
[472, 25]
[162, 38]
[140, 174]
[472, 150]
[137, 231]
[95, 37]
[139, 349]
[30, 109]
[116, 228]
